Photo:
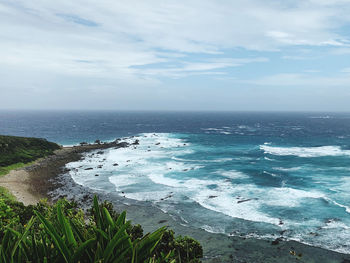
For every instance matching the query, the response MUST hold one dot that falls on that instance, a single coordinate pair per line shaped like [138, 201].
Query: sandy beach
[33, 182]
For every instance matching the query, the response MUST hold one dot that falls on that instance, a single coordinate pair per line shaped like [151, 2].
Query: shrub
[63, 233]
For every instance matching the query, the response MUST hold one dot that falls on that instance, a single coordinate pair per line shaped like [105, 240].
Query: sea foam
[305, 151]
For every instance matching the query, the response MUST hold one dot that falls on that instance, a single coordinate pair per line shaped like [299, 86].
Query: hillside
[14, 150]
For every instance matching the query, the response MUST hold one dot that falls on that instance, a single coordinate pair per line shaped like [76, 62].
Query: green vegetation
[7, 169]
[63, 233]
[17, 151]
[5, 194]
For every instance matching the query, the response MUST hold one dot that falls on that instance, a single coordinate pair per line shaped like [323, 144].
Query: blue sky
[175, 55]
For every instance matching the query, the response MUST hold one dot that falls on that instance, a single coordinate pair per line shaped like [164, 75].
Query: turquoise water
[254, 174]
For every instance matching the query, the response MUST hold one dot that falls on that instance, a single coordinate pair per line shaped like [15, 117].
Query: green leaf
[115, 241]
[24, 235]
[82, 249]
[109, 218]
[59, 242]
[66, 226]
[121, 219]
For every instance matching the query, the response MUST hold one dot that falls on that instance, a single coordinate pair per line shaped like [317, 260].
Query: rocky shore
[48, 178]
[33, 182]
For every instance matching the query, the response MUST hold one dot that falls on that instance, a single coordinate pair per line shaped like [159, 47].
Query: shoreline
[43, 179]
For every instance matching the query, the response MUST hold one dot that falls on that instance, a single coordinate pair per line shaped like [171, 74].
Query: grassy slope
[15, 152]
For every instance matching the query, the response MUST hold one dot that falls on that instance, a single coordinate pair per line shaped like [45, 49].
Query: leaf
[23, 236]
[82, 248]
[59, 242]
[114, 242]
[66, 226]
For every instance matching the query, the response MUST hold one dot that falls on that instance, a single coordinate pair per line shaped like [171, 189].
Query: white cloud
[135, 43]
[301, 80]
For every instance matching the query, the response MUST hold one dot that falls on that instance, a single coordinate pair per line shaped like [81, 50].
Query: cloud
[83, 45]
[208, 67]
[301, 80]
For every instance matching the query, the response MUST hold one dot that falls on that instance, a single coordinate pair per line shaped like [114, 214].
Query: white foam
[232, 174]
[272, 174]
[321, 117]
[335, 224]
[219, 160]
[347, 208]
[305, 151]
[291, 169]
[211, 229]
[212, 129]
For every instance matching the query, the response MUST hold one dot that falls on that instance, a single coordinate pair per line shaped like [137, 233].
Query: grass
[5, 194]
[5, 170]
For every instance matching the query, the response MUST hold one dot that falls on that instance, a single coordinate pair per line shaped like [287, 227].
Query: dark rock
[100, 166]
[136, 142]
[282, 232]
[276, 241]
[212, 196]
[99, 152]
[157, 143]
[162, 221]
[96, 175]
[115, 164]
[88, 168]
[246, 200]
[122, 144]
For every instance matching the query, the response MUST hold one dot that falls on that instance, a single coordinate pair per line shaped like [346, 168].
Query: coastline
[38, 180]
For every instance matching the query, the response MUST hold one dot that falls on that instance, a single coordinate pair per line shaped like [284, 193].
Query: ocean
[237, 173]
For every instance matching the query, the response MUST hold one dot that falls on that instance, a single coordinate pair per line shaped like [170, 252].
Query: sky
[230, 55]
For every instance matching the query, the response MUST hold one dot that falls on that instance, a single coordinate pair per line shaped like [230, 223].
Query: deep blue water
[237, 173]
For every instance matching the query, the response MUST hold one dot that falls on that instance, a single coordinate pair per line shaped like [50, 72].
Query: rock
[246, 200]
[157, 143]
[115, 164]
[88, 168]
[162, 221]
[136, 142]
[122, 144]
[276, 241]
[281, 222]
[99, 152]
[96, 175]
[212, 196]
[100, 166]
